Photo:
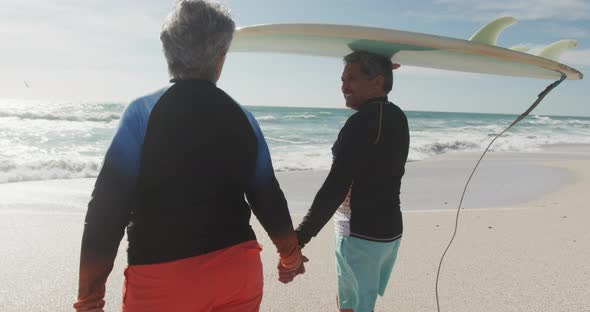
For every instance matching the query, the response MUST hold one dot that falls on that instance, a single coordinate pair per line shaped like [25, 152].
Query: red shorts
[226, 280]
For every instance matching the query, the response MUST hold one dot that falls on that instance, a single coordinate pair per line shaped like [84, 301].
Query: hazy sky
[106, 50]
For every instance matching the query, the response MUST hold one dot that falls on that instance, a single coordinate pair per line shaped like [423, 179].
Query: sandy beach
[523, 242]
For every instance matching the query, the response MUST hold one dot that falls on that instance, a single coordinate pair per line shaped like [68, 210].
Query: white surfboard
[477, 55]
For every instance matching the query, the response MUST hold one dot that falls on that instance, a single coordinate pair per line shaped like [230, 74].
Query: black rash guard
[177, 175]
[369, 158]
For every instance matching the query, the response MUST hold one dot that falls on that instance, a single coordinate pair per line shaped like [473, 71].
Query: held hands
[91, 303]
[290, 258]
[286, 274]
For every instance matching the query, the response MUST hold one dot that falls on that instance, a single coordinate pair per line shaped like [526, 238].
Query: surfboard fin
[489, 33]
[556, 49]
[520, 48]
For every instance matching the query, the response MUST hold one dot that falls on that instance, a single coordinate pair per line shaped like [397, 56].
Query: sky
[107, 50]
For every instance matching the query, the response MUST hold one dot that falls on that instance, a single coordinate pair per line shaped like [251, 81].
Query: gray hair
[195, 36]
[373, 65]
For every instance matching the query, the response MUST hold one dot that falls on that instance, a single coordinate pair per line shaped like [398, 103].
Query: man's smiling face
[358, 87]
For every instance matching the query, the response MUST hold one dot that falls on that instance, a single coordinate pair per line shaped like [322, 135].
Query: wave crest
[99, 117]
[11, 171]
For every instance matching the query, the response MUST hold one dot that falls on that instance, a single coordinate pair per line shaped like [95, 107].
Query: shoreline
[437, 183]
[301, 185]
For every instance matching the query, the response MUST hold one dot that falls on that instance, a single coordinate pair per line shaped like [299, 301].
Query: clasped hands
[288, 272]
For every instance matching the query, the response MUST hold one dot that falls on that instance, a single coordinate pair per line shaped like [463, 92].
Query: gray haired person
[176, 176]
[362, 188]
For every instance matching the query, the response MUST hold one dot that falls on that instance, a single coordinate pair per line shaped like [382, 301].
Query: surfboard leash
[540, 98]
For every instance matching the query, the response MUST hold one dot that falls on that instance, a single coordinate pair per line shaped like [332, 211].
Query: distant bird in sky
[26, 84]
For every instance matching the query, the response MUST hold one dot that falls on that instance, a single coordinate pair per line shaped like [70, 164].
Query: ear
[378, 82]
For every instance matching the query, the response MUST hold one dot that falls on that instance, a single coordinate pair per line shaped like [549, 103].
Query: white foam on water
[11, 171]
[60, 140]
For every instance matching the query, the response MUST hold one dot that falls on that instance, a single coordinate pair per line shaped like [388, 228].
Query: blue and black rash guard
[177, 175]
[369, 158]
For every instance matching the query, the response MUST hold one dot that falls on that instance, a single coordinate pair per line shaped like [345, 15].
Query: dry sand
[523, 242]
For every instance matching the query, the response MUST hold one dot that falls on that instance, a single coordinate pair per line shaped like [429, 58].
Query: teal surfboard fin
[520, 48]
[556, 49]
[489, 33]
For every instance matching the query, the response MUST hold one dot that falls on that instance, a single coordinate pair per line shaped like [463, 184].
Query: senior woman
[176, 176]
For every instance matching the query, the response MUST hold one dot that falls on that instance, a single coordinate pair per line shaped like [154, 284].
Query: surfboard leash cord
[540, 98]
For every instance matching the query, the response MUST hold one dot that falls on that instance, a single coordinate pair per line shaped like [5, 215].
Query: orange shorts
[226, 280]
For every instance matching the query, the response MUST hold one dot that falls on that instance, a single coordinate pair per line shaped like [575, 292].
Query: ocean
[61, 140]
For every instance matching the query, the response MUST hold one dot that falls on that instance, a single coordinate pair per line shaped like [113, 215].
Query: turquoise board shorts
[363, 268]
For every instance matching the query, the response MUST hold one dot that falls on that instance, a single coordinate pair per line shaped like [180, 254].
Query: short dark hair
[373, 65]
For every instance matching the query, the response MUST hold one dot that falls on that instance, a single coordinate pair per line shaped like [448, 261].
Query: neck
[379, 98]
[178, 79]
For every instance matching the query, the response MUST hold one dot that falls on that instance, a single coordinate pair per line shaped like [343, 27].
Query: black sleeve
[267, 200]
[264, 193]
[109, 209]
[270, 207]
[347, 153]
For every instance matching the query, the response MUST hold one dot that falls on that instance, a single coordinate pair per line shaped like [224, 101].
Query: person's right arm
[108, 210]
